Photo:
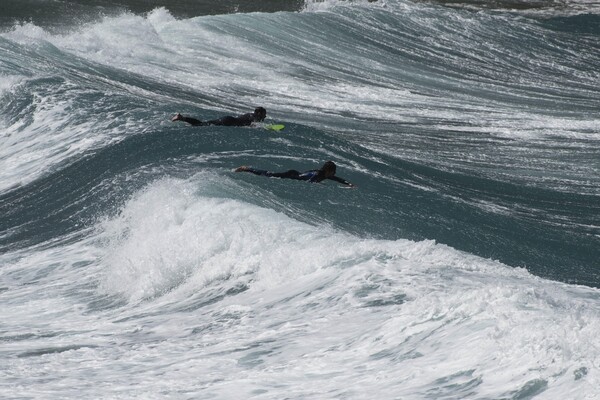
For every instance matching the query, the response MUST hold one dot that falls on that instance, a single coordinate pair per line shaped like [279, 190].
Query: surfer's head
[260, 113]
[328, 169]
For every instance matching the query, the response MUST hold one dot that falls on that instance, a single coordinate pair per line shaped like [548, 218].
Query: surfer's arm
[341, 180]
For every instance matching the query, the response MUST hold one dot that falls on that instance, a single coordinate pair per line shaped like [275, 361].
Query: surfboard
[274, 127]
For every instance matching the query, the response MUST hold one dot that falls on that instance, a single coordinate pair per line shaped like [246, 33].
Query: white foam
[336, 306]
[9, 83]
[52, 129]
[27, 33]
[128, 41]
[167, 236]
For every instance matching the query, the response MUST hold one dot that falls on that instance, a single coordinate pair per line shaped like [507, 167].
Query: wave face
[134, 263]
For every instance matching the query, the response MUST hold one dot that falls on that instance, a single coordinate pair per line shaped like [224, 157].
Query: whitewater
[134, 263]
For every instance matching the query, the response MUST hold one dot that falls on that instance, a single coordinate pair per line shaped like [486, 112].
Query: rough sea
[135, 264]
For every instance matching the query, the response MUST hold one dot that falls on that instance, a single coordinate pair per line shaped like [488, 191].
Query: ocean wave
[134, 263]
[182, 277]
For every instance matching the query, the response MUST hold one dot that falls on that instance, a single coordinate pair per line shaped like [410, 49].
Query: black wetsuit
[242, 120]
[315, 175]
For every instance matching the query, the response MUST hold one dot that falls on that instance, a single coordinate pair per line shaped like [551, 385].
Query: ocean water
[135, 264]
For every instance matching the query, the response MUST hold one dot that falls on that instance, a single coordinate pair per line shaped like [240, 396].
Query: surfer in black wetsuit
[327, 171]
[258, 115]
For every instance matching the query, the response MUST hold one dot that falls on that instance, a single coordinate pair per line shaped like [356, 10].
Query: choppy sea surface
[134, 263]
